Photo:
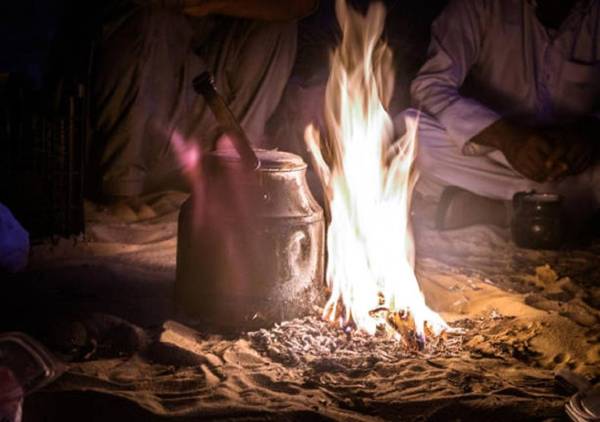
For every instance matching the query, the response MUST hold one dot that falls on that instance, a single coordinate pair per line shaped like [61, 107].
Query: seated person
[148, 55]
[510, 101]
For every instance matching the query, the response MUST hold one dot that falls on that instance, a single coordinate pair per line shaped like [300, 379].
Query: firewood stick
[181, 336]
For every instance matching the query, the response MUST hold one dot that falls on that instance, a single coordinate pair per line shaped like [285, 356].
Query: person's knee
[275, 43]
[400, 121]
[428, 128]
[428, 134]
[267, 53]
[274, 32]
[426, 162]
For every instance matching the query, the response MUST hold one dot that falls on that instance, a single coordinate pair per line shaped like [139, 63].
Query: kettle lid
[270, 160]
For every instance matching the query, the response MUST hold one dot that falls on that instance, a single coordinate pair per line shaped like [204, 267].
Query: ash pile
[324, 347]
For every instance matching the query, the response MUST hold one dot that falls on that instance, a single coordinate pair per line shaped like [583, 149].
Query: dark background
[31, 29]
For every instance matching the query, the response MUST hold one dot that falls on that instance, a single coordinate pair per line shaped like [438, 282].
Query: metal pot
[255, 254]
[537, 220]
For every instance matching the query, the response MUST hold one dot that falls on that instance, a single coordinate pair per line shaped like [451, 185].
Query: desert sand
[520, 317]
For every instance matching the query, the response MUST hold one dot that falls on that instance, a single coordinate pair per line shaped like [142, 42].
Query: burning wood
[368, 190]
[316, 344]
[399, 325]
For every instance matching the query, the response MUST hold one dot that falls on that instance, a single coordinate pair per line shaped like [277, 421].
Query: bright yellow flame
[368, 183]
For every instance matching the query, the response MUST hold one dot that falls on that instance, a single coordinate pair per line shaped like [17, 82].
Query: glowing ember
[368, 184]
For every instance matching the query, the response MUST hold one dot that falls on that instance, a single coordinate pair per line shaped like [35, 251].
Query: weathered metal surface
[258, 258]
[537, 220]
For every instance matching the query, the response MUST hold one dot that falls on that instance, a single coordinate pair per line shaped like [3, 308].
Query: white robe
[490, 59]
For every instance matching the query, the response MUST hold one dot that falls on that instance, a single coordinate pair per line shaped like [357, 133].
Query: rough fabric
[143, 87]
[491, 59]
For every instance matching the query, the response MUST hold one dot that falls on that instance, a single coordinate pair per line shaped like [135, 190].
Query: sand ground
[524, 315]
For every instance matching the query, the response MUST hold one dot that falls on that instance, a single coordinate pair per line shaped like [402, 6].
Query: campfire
[368, 178]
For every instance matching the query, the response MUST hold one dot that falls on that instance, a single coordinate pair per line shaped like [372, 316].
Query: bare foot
[122, 211]
[459, 208]
[129, 209]
[145, 212]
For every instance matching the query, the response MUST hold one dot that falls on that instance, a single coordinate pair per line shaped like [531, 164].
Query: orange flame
[368, 183]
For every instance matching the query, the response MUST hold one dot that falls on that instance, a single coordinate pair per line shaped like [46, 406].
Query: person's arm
[456, 37]
[269, 10]
[476, 129]
[545, 154]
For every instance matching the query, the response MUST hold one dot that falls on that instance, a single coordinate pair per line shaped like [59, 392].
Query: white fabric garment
[493, 58]
[441, 164]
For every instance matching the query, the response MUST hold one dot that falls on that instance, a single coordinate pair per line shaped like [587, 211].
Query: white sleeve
[455, 44]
